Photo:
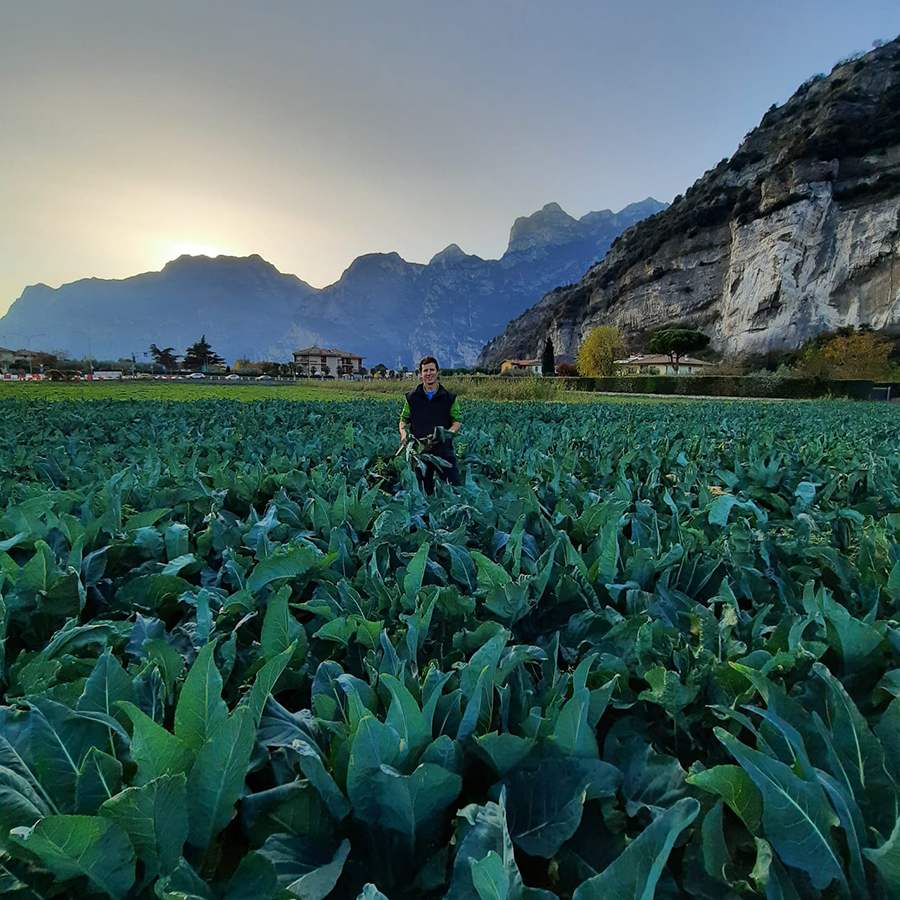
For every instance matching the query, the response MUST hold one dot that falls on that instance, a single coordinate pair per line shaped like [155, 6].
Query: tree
[165, 358]
[676, 342]
[598, 351]
[849, 353]
[548, 363]
[200, 356]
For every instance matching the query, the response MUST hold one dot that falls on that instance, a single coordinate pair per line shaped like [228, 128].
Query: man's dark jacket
[425, 415]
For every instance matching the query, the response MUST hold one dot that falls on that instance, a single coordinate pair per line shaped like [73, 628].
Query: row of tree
[850, 352]
[199, 357]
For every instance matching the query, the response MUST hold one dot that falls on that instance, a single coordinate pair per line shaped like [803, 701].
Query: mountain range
[797, 233]
[383, 307]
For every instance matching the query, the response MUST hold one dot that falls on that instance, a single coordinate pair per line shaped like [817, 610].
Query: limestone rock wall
[798, 233]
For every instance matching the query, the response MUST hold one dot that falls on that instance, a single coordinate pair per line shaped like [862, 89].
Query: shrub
[859, 353]
[598, 351]
[769, 384]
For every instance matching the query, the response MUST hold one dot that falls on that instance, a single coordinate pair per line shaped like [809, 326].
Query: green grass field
[502, 389]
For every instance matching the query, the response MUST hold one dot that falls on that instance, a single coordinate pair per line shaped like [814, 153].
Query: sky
[311, 133]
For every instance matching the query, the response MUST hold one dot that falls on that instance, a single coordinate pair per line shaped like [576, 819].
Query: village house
[327, 361]
[24, 359]
[659, 364]
[520, 367]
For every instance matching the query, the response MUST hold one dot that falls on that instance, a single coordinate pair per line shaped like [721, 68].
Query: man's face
[429, 375]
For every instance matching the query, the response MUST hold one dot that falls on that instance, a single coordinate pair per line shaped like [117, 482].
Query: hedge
[732, 386]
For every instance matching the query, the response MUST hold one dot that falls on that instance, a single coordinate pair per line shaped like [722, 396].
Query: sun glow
[171, 249]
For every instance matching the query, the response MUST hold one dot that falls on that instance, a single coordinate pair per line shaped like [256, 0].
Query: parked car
[263, 378]
[196, 375]
[233, 377]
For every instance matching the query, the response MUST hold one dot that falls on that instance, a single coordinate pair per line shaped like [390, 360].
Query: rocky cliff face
[383, 307]
[798, 233]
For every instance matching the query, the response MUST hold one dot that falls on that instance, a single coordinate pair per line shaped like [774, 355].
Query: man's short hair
[428, 359]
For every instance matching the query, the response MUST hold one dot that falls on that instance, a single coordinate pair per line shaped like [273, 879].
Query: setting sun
[173, 248]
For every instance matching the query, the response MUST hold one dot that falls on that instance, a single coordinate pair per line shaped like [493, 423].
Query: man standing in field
[428, 407]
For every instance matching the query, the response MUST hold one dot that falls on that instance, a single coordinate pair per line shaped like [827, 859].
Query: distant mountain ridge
[797, 233]
[382, 307]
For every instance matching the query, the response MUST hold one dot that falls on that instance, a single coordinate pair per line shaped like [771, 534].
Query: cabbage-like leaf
[635, 873]
[70, 846]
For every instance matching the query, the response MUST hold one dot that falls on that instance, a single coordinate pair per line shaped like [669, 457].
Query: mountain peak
[380, 264]
[202, 261]
[450, 254]
[551, 224]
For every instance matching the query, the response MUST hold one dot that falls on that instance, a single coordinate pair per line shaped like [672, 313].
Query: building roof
[326, 351]
[659, 359]
[522, 362]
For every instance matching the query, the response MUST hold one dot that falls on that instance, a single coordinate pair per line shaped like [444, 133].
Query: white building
[327, 361]
[660, 364]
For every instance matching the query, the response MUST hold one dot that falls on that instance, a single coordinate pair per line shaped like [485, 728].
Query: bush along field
[645, 650]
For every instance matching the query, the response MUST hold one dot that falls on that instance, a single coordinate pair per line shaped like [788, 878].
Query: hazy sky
[313, 132]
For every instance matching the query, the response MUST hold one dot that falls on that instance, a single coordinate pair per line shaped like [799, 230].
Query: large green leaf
[254, 879]
[265, 682]
[545, 801]
[289, 561]
[382, 796]
[154, 816]
[99, 778]
[797, 819]
[20, 801]
[305, 869]
[275, 635]
[490, 877]
[148, 592]
[155, 750]
[293, 808]
[635, 873]
[405, 717]
[485, 863]
[107, 684]
[183, 884]
[736, 788]
[201, 709]
[50, 741]
[217, 777]
[860, 756]
[415, 572]
[504, 751]
[70, 846]
[886, 859]
[573, 733]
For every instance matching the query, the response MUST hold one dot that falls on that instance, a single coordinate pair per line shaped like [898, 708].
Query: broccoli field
[645, 650]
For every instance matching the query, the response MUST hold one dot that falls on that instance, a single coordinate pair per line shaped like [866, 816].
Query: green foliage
[859, 353]
[164, 358]
[200, 356]
[771, 385]
[677, 342]
[645, 650]
[548, 365]
[598, 351]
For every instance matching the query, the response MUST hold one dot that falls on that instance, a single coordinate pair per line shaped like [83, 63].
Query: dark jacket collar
[438, 390]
